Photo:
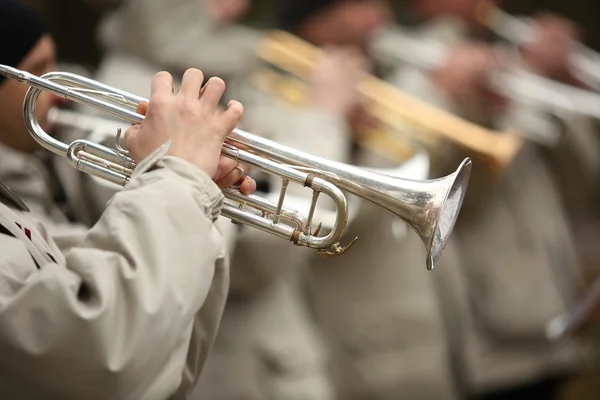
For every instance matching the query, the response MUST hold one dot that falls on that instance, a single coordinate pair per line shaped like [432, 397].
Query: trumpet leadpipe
[430, 207]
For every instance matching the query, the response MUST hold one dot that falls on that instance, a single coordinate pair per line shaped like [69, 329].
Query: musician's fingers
[329, 50]
[162, 84]
[354, 61]
[191, 83]
[212, 93]
[556, 27]
[227, 165]
[141, 109]
[363, 64]
[235, 177]
[232, 116]
[352, 53]
[248, 186]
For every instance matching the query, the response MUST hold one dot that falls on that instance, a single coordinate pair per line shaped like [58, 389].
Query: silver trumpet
[516, 84]
[430, 207]
[101, 130]
[585, 62]
[72, 119]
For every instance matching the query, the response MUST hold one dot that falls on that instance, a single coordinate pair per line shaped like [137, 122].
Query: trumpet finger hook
[337, 249]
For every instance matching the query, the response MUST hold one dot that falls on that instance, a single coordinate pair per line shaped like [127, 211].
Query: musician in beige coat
[266, 344]
[518, 267]
[100, 296]
[100, 301]
[140, 38]
[376, 304]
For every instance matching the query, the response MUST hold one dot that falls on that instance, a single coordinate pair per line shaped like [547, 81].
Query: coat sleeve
[114, 316]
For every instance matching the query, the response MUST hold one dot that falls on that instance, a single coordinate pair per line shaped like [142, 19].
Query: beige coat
[142, 37]
[270, 342]
[30, 179]
[575, 164]
[267, 347]
[516, 267]
[376, 304]
[259, 284]
[123, 312]
[175, 35]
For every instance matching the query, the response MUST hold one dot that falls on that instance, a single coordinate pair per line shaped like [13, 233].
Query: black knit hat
[291, 13]
[20, 30]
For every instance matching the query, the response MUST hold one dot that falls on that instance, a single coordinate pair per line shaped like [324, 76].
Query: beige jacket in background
[143, 37]
[128, 312]
[375, 305]
[516, 266]
[269, 341]
[177, 35]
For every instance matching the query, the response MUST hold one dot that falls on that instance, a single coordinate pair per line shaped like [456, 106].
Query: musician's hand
[548, 54]
[335, 79]
[361, 120]
[463, 77]
[227, 11]
[229, 174]
[192, 120]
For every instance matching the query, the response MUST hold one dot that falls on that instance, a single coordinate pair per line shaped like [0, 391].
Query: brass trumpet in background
[284, 53]
[510, 81]
[430, 207]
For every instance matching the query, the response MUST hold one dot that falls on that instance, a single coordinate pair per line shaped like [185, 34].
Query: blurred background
[374, 324]
[76, 37]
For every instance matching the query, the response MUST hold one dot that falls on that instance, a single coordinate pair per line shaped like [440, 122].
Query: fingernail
[250, 185]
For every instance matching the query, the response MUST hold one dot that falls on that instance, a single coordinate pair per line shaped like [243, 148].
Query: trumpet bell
[447, 205]
[430, 207]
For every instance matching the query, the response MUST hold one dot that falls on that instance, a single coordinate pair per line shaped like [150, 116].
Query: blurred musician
[376, 305]
[143, 36]
[519, 264]
[266, 341]
[577, 152]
